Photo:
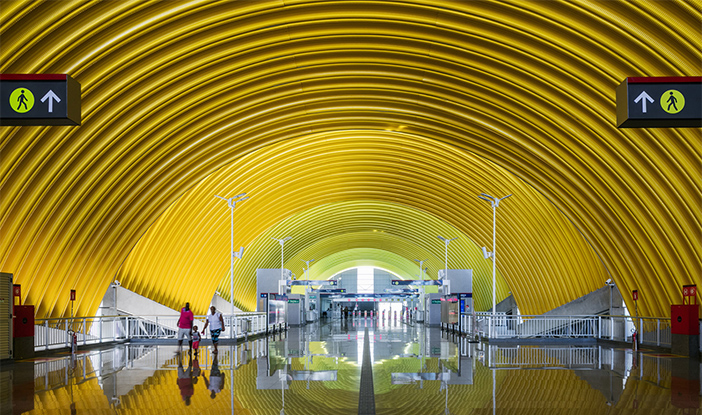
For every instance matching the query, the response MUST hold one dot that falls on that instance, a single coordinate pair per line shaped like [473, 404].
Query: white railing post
[642, 332]
[46, 334]
[658, 332]
[85, 330]
[65, 325]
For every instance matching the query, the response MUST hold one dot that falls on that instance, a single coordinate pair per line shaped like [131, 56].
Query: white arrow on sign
[645, 97]
[51, 97]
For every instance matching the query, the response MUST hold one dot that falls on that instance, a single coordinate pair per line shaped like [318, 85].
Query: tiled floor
[317, 370]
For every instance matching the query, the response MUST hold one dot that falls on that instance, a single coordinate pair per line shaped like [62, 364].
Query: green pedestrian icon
[672, 101]
[21, 100]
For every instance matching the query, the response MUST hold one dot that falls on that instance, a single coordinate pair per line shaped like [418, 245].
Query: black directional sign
[46, 99]
[660, 102]
[416, 282]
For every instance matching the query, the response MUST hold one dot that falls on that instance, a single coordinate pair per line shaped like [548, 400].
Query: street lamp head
[446, 240]
[485, 195]
[221, 197]
[485, 199]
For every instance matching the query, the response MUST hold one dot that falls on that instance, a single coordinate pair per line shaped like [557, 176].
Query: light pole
[307, 277]
[421, 274]
[308, 267]
[495, 202]
[446, 242]
[282, 242]
[232, 201]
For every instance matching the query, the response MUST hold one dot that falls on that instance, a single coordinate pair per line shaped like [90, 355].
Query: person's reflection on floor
[185, 380]
[196, 370]
[214, 385]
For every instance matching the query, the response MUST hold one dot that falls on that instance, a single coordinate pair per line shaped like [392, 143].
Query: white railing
[54, 333]
[525, 356]
[653, 331]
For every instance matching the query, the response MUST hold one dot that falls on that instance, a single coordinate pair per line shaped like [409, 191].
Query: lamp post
[282, 242]
[421, 274]
[232, 201]
[307, 287]
[495, 202]
[446, 242]
[308, 267]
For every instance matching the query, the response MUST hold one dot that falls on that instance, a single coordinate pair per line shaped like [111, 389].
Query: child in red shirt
[196, 339]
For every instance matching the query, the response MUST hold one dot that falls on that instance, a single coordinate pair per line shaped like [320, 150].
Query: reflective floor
[317, 370]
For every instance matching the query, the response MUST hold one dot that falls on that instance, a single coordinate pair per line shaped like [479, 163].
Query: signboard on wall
[666, 101]
[39, 99]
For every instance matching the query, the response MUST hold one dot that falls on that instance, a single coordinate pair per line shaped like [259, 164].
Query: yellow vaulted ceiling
[341, 118]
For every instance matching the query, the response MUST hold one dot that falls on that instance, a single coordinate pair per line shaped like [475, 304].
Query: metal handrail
[53, 333]
[655, 331]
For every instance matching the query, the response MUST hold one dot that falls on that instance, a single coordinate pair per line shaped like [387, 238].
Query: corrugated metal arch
[174, 92]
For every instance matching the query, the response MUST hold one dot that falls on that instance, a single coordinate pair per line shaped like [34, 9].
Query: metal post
[658, 332]
[232, 205]
[446, 260]
[231, 263]
[494, 256]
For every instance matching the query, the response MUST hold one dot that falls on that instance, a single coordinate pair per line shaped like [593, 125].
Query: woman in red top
[185, 325]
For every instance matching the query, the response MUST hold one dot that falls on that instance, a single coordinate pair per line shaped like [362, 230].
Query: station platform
[324, 368]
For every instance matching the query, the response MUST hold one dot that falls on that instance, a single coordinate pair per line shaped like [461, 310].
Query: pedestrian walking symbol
[21, 100]
[672, 101]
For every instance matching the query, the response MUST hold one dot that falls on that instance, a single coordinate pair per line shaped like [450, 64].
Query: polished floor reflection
[317, 370]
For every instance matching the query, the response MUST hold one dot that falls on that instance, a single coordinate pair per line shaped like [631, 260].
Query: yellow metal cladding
[436, 101]
[342, 191]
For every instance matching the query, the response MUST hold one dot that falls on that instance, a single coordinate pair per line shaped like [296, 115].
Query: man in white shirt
[216, 323]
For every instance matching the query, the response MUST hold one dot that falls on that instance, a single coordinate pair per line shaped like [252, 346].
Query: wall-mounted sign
[39, 99]
[293, 301]
[436, 301]
[667, 101]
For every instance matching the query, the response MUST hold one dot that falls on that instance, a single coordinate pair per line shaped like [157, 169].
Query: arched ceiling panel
[340, 261]
[331, 192]
[176, 91]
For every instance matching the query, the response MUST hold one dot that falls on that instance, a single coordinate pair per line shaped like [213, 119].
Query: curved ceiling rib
[333, 191]
[176, 93]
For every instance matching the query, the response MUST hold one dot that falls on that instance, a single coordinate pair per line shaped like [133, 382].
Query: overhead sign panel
[672, 102]
[42, 99]
[416, 282]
